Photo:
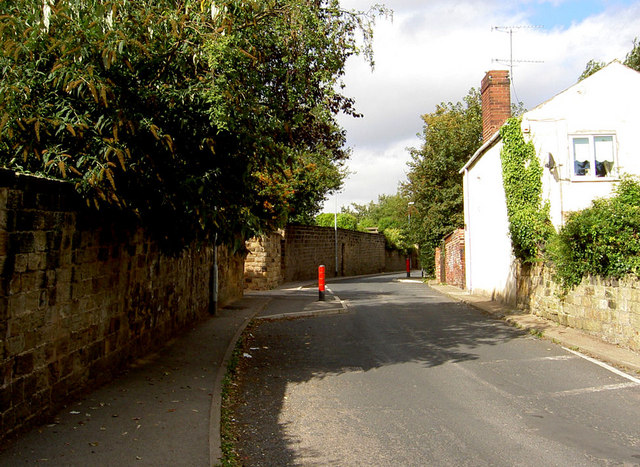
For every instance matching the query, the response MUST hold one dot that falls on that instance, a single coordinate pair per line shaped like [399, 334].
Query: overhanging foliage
[196, 117]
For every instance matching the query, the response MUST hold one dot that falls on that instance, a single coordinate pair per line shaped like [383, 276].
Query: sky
[435, 51]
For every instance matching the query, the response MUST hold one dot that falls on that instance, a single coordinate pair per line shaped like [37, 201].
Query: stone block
[17, 305]
[23, 364]
[14, 199]
[15, 345]
[20, 263]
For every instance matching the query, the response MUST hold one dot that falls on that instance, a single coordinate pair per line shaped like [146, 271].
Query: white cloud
[436, 51]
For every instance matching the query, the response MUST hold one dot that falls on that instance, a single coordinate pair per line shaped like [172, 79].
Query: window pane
[581, 156]
[604, 155]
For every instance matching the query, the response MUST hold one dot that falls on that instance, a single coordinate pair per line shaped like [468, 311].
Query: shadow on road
[389, 324]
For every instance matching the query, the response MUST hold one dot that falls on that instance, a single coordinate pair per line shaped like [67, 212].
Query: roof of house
[581, 87]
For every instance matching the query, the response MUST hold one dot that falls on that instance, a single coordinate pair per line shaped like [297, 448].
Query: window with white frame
[593, 156]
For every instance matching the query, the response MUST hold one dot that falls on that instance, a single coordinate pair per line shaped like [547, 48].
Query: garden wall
[82, 294]
[606, 308]
[449, 260]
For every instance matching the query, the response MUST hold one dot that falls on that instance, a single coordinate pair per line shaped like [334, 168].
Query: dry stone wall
[606, 308]
[81, 295]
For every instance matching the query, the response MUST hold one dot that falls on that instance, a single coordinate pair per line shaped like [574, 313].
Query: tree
[390, 215]
[345, 221]
[390, 211]
[632, 60]
[196, 117]
[451, 135]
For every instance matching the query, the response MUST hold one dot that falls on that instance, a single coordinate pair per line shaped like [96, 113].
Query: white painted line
[304, 314]
[608, 387]
[605, 366]
[538, 359]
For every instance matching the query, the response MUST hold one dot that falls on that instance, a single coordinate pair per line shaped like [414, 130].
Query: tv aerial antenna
[510, 61]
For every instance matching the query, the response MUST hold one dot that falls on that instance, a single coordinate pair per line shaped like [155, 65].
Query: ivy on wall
[529, 224]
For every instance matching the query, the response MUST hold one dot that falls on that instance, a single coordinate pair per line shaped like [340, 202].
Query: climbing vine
[529, 224]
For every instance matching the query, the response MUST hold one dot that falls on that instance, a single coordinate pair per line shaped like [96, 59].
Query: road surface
[410, 377]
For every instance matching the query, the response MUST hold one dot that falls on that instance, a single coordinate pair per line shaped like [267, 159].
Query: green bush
[396, 239]
[345, 221]
[601, 240]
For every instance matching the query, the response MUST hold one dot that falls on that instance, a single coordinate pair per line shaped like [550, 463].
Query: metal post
[411, 203]
[213, 283]
[335, 236]
[321, 283]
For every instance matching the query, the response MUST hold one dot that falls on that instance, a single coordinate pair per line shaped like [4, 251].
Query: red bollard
[408, 267]
[321, 283]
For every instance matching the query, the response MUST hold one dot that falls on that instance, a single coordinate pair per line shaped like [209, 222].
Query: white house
[585, 137]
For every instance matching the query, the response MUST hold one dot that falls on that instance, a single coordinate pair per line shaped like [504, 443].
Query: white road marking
[608, 387]
[605, 366]
[539, 359]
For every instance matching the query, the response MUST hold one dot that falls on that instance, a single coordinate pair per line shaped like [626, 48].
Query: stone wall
[608, 309]
[263, 266]
[295, 254]
[395, 260]
[307, 247]
[82, 294]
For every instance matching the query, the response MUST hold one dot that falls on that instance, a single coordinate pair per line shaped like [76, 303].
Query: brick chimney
[496, 101]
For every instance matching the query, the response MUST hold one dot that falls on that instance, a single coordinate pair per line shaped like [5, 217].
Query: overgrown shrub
[601, 240]
[395, 239]
[198, 117]
[345, 221]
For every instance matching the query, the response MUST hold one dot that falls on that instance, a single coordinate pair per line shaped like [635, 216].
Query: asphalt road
[410, 377]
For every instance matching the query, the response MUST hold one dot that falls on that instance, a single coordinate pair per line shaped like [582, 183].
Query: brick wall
[608, 309]
[82, 294]
[295, 254]
[439, 269]
[449, 259]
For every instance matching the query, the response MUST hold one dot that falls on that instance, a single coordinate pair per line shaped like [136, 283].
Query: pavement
[165, 410]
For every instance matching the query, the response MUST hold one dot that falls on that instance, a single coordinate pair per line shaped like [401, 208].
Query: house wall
[606, 102]
[489, 267]
[607, 309]
[83, 293]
